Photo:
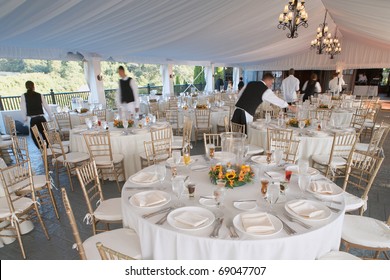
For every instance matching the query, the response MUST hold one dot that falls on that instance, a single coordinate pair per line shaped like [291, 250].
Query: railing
[8, 103]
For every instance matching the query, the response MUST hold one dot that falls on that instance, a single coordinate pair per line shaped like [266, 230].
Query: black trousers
[239, 117]
[38, 122]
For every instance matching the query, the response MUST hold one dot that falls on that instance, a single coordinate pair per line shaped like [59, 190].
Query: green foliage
[199, 75]
[177, 82]
[219, 72]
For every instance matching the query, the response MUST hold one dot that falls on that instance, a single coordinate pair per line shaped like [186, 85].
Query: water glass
[161, 172]
[273, 192]
[176, 156]
[88, 122]
[178, 188]
[304, 182]
[267, 118]
[303, 166]
[278, 156]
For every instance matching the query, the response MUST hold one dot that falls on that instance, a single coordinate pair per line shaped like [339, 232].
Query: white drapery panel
[191, 32]
[166, 71]
[209, 77]
[92, 70]
[236, 77]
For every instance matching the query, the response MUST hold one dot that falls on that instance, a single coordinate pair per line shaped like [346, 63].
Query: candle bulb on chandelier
[285, 9]
[281, 18]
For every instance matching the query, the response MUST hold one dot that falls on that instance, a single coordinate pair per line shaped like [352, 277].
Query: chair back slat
[212, 139]
[110, 254]
[99, 145]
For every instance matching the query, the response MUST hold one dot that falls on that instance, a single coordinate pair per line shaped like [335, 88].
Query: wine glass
[272, 195]
[304, 182]
[219, 192]
[301, 125]
[278, 156]
[161, 172]
[176, 157]
[95, 121]
[178, 188]
[88, 122]
[104, 125]
[125, 124]
[267, 118]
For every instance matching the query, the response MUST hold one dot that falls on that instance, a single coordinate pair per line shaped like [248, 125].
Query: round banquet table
[311, 143]
[130, 146]
[166, 242]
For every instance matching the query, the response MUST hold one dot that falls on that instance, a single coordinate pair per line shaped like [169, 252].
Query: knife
[156, 213]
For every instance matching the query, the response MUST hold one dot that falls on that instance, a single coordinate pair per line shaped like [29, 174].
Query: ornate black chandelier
[293, 16]
[334, 46]
[323, 37]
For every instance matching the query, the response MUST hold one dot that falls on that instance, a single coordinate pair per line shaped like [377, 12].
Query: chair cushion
[74, 157]
[368, 123]
[19, 205]
[366, 231]
[39, 183]
[158, 157]
[363, 147]
[338, 255]
[6, 137]
[116, 158]
[121, 240]
[324, 160]
[109, 210]
[352, 202]
[5, 144]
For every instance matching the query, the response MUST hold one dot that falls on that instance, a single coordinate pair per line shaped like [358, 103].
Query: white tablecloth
[165, 242]
[129, 145]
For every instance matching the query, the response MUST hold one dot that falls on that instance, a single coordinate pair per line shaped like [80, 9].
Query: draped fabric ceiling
[199, 32]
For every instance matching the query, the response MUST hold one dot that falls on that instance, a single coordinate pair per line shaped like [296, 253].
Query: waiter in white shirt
[290, 87]
[253, 94]
[31, 106]
[336, 84]
[127, 98]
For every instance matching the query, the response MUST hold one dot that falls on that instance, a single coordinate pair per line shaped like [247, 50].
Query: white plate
[245, 205]
[224, 157]
[181, 163]
[275, 221]
[208, 202]
[143, 183]
[261, 160]
[294, 168]
[337, 191]
[198, 210]
[167, 197]
[325, 215]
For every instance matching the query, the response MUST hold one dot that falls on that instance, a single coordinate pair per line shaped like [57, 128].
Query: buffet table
[170, 242]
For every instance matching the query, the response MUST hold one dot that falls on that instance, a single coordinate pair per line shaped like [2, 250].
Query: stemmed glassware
[303, 183]
[267, 118]
[272, 195]
[278, 156]
[161, 172]
[301, 125]
[88, 122]
[178, 188]
[125, 124]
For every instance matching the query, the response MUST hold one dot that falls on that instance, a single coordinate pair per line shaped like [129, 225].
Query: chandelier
[333, 46]
[293, 16]
[323, 37]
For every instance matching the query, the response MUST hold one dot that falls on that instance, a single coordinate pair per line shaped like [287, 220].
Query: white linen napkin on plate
[145, 177]
[321, 187]
[149, 199]
[257, 223]
[305, 209]
[191, 219]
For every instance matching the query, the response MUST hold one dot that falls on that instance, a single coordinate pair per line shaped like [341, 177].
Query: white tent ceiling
[226, 32]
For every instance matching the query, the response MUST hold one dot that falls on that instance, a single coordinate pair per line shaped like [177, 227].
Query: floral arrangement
[201, 106]
[119, 124]
[336, 98]
[82, 111]
[323, 106]
[235, 176]
[295, 122]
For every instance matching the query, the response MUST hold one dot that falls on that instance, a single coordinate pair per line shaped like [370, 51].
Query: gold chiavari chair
[358, 119]
[172, 116]
[49, 125]
[110, 254]
[6, 144]
[156, 151]
[178, 141]
[109, 163]
[361, 171]
[101, 114]
[214, 139]
[366, 233]
[19, 208]
[64, 124]
[153, 107]
[377, 138]
[61, 157]
[202, 122]
[371, 120]
[223, 124]
[279, 139]
[333, 165]
[106, 211]
[10, 126]
[42, 184]
[122, 240]
[323, 114]
[236, 127]
[292, 154]
[172, 103]
[82, 117]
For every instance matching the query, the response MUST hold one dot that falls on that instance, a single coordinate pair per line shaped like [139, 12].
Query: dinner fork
[217, 226]
[291, 219]
[164, 218]
[233, 232]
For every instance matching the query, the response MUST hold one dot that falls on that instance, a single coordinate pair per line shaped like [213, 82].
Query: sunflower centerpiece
[234, 175]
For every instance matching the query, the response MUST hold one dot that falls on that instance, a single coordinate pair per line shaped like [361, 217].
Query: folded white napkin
[257, 223]
[321, 187]
[305, 209]
[145, 177]
[149, 199]
[191, 219]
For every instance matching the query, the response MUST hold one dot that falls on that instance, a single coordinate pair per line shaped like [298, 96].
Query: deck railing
[8, 103]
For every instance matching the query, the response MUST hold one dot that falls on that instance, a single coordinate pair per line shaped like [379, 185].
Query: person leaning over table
[336, 84]
[127, 97]
[311, 86]
[253, 94]
[32, 104]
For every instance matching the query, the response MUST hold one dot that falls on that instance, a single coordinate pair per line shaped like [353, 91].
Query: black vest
[33, 103]
[127, 95]
[252, 97]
